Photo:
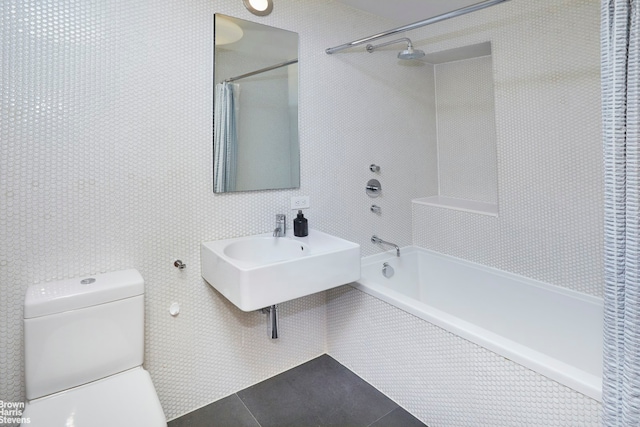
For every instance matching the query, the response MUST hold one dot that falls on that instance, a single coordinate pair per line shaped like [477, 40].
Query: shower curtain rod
[424, 22]
[262, 70]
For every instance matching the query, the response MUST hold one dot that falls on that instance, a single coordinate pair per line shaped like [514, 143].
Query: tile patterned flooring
[319, 393]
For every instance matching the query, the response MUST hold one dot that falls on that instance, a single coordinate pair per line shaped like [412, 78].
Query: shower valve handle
[373, 188]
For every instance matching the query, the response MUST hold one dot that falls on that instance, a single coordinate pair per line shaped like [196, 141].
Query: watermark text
[11, 413]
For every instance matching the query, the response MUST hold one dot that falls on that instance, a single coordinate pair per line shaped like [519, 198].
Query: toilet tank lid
[71, 294]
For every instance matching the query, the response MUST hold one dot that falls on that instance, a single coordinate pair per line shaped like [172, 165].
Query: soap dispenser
[300, 225]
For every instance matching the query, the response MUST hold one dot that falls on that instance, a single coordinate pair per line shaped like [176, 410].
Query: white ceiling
[407, 11]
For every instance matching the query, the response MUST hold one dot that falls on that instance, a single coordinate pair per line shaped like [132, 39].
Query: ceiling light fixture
[259, 7]
[227, 31]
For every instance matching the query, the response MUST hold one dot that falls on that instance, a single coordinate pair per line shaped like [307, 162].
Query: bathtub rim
[554, 369]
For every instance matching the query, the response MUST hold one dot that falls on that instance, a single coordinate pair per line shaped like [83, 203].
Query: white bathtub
[548, 329]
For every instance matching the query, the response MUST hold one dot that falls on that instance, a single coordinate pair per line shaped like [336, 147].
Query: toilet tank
[80, 330]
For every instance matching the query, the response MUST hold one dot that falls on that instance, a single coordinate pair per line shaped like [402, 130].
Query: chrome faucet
[281, 225]
[375, 239]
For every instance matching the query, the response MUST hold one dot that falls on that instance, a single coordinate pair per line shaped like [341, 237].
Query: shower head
[408, 53]
[411, 53]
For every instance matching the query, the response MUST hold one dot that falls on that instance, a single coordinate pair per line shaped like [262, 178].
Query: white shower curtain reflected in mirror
[225, 144]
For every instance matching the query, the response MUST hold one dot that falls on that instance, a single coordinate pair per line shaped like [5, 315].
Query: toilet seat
[124, 399]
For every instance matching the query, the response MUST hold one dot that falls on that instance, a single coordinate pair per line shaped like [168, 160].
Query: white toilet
[84, 344]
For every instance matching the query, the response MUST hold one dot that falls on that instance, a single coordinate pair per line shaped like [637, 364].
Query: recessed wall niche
[466, 131]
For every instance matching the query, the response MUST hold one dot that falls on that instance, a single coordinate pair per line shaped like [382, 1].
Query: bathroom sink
[262, 250]
[258, 271]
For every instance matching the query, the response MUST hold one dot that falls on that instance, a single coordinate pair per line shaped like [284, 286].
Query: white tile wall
[466, 130]
[546, 61]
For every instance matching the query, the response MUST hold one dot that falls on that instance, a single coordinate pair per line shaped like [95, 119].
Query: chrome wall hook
[179, 264]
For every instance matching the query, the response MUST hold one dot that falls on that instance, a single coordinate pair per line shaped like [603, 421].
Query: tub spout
[375, 239]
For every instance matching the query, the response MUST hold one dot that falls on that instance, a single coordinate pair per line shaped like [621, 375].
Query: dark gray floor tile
[398, 418]
[227, 412]
[321, 392]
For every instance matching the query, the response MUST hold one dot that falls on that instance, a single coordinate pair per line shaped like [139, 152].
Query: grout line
[397, 406]
[248, 410]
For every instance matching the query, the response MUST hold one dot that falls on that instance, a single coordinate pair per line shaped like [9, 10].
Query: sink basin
[265, 250]
[258, 271]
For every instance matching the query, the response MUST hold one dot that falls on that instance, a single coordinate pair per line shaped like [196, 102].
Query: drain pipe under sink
[272, 326]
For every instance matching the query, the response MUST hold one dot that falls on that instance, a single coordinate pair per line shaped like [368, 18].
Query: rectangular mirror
[255, 142]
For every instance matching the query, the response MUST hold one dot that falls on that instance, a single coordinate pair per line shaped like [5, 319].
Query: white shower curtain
[621, 119]
[225, 144]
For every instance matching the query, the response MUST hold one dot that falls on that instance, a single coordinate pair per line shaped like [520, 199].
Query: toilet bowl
[84, 347]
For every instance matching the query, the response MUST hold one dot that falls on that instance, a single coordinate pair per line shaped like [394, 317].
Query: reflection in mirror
[255, 108]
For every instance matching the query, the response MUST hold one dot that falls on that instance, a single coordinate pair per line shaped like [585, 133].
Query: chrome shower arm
[371, 48]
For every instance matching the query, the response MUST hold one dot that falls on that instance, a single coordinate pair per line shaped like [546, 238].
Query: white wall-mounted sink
[258, 271]
[261, 250]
